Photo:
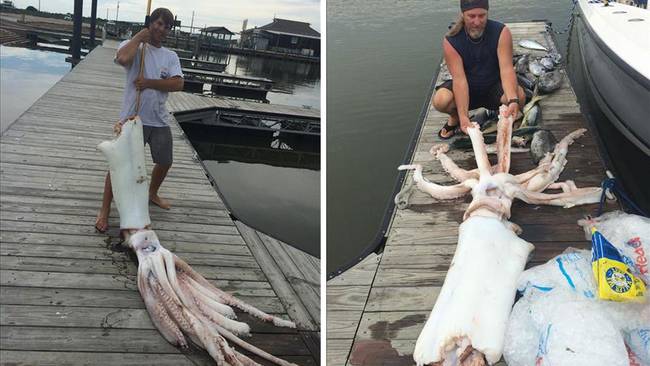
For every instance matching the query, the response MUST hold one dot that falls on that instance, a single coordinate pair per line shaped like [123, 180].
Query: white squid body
[475, 301]
[125, 155]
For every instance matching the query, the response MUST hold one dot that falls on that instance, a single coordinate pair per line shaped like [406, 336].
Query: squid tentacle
[209, 298]
[195, 303]
[159, 314]
[504, 137]
[480, 153]
[435, 190]
[250, 348]
[174, 308]
[204, 310]
[196, 280]
[459, 174]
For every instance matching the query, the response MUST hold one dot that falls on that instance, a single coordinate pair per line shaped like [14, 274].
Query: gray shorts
[160, 143]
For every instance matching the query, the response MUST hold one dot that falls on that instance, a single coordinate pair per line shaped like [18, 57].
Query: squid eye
[150, 248]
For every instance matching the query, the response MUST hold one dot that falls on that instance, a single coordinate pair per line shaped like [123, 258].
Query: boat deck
[376, 310]
[68, 295]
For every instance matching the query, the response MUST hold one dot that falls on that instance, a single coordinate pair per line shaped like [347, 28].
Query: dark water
[295, 83]
[25, 75]
[381, 57]
[271, 183]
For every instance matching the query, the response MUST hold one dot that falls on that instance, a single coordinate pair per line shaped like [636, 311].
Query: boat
[614, 41]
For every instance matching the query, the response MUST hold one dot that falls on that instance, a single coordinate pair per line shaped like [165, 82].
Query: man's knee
[443, 100]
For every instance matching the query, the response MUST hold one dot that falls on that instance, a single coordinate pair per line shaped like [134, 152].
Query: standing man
[162, 74]
[478, 53]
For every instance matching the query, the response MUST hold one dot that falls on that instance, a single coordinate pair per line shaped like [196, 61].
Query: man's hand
[142, 83]
[117, 128]
[465, 124]
[143, 35]
[513, 110]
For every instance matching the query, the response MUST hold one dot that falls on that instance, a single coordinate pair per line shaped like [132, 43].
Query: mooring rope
[402, 198]
[137, 97]
[610, 185]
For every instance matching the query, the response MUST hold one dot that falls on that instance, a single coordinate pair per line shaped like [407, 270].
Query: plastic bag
[630, 234]
[614, 278]
[560, 321]
[562, 328]
[638, 342]
[571, 270]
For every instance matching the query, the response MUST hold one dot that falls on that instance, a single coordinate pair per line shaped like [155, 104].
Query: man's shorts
[489, 98]
[160, 143]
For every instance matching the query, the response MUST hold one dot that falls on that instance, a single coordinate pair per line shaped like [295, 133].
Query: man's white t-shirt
[159, 63]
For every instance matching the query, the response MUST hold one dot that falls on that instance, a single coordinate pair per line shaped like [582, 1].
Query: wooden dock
[186, 102]
[68, 296]
[376, 310]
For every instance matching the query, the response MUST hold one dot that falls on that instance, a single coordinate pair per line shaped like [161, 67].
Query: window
[294, 40]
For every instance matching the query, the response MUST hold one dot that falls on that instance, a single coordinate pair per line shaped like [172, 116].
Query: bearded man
[478, 53]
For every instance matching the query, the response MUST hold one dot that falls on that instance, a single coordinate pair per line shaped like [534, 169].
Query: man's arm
[126, 54]
[506, 70]
[171, 84]
[460, 86]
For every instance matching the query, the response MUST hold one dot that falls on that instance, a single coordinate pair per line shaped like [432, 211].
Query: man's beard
[475, 33]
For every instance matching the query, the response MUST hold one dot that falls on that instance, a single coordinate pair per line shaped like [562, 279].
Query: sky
[230, 14]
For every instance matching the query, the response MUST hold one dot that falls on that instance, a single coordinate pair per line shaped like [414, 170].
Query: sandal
[448, 129]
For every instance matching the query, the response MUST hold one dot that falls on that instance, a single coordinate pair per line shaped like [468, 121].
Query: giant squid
[181, 303]
[468, 321]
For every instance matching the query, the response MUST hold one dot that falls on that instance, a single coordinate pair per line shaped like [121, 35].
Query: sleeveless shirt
[480, 59]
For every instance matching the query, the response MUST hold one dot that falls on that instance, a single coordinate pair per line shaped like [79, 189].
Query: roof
[219, 30]
[290, 27]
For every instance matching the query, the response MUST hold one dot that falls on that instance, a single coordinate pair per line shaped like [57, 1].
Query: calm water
[296, 83]
[270, 183]
[25, 75]
[381, 57]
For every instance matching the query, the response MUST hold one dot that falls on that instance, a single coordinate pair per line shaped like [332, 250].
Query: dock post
[196, 47]
[93, 23]
[75, 46]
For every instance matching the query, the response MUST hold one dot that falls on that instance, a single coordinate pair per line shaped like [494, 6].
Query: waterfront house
[285, 36]
[217, 35]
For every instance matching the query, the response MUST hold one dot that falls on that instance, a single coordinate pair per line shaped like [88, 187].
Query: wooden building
[217, 35]
[285, 36]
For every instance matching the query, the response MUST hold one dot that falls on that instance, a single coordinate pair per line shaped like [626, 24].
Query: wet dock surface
[68, 294]
[376, 310]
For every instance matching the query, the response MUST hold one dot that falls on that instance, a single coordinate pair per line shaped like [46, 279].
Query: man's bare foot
[101, 223]
[160, 202]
